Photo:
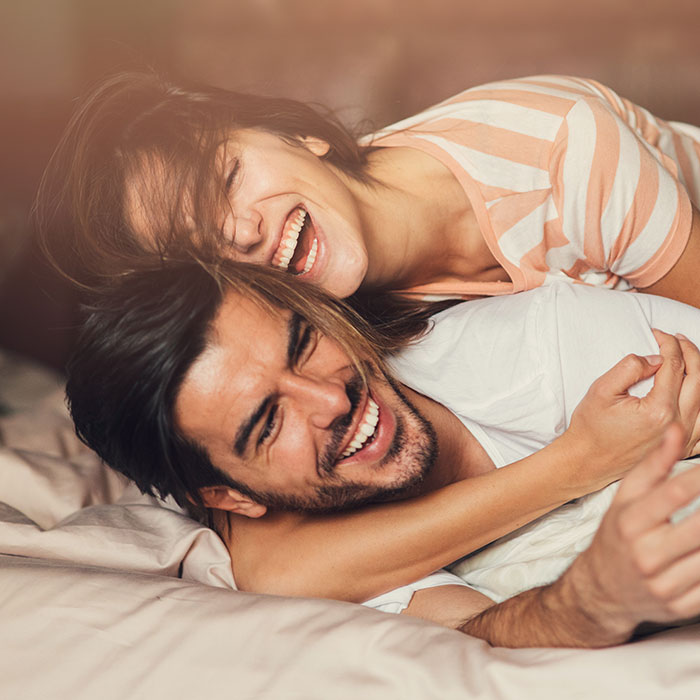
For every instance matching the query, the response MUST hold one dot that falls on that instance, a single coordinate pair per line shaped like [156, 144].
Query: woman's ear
[317, 146]
[226, 498]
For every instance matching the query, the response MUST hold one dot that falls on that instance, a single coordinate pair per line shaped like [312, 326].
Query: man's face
[280, 408]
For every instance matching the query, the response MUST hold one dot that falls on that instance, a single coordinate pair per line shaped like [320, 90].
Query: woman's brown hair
[133, 120]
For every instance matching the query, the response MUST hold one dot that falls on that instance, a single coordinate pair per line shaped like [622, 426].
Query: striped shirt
[567, 180]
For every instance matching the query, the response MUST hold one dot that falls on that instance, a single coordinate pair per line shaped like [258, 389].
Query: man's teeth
[366, 429]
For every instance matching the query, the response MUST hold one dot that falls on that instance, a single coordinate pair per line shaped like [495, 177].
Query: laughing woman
[499, 189]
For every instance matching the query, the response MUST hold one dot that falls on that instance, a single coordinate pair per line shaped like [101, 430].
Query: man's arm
[639, 568]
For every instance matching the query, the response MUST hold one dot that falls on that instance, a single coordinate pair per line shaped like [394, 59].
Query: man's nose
[323, 400]
[243, 231]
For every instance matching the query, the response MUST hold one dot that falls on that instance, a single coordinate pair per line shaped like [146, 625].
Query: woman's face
[287, 208]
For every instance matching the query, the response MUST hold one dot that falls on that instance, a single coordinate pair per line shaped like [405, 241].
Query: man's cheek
[293, 461]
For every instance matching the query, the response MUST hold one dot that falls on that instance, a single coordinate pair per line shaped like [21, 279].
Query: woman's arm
[681, 281]
[357, 555]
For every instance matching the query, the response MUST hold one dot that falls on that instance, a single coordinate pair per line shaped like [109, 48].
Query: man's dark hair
[138, 341]
[142, 333]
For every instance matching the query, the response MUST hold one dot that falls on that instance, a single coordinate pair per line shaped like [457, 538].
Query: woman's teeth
[366, 429]
[311, 258]
[288, 245]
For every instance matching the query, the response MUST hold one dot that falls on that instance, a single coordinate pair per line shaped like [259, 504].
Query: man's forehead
[245, 340]
[241, 331]
[247, 327]
[243, 313]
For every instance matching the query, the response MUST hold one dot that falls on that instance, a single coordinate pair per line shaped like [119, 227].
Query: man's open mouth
[298, 245]
[366, 429]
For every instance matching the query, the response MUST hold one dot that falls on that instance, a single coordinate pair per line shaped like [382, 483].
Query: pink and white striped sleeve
[623, 210]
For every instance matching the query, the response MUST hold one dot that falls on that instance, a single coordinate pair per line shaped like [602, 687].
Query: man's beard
[414, 444]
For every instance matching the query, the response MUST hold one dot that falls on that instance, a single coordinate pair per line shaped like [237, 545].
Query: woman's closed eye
[231, 177]
[227, 226]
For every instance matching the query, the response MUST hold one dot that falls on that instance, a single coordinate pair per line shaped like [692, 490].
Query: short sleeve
[397, 601]
[623, 211]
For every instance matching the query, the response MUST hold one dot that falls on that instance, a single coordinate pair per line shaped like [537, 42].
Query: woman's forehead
[163, 195]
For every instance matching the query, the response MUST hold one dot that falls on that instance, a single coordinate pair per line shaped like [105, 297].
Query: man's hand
[611, 430]
[638, 568]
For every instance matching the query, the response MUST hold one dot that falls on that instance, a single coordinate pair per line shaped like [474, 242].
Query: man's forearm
[549, 616]
[638, 568]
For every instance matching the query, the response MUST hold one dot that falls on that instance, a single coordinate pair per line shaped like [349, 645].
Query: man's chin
[336, 498]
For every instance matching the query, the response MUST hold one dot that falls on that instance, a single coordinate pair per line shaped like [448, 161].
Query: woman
[499, 189]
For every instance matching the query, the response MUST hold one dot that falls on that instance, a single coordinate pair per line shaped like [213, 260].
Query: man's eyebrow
[243, 433]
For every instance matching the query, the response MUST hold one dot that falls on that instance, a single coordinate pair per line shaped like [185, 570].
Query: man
[247, 394]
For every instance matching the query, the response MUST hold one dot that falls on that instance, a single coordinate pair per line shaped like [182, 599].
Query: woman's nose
[243, 232]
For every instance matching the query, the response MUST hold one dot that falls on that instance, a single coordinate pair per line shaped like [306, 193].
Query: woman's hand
[688, 407]
[611, 430]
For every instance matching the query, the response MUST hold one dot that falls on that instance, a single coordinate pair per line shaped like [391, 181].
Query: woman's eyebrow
[240, 443]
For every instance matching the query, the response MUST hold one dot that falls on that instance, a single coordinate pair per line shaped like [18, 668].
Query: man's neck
[460, 455]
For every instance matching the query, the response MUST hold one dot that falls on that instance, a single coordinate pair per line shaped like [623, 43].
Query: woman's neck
[418, 222]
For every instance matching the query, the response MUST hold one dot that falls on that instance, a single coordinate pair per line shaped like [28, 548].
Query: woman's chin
[342, 285]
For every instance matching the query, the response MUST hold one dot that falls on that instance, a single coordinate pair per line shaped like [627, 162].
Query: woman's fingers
[669, 377]
[689, 398]
[628, 371]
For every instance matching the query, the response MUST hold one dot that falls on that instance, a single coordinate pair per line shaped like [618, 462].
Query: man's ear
[317, 146]
[226, 498]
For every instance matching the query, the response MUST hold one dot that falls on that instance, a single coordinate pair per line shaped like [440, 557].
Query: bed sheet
[107, 594]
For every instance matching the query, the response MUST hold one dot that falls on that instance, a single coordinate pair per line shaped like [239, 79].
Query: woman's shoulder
[534, 102]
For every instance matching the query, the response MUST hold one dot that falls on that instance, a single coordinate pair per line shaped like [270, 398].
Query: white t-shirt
[514, 369]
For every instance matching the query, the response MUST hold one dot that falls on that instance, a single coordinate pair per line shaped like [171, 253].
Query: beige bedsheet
[92, 607]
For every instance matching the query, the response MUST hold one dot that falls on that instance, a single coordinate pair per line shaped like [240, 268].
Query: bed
[108, 594]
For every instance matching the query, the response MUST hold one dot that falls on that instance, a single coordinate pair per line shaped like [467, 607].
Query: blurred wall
[375, 60]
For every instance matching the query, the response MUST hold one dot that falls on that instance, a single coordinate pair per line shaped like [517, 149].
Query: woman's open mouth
[298, 245]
